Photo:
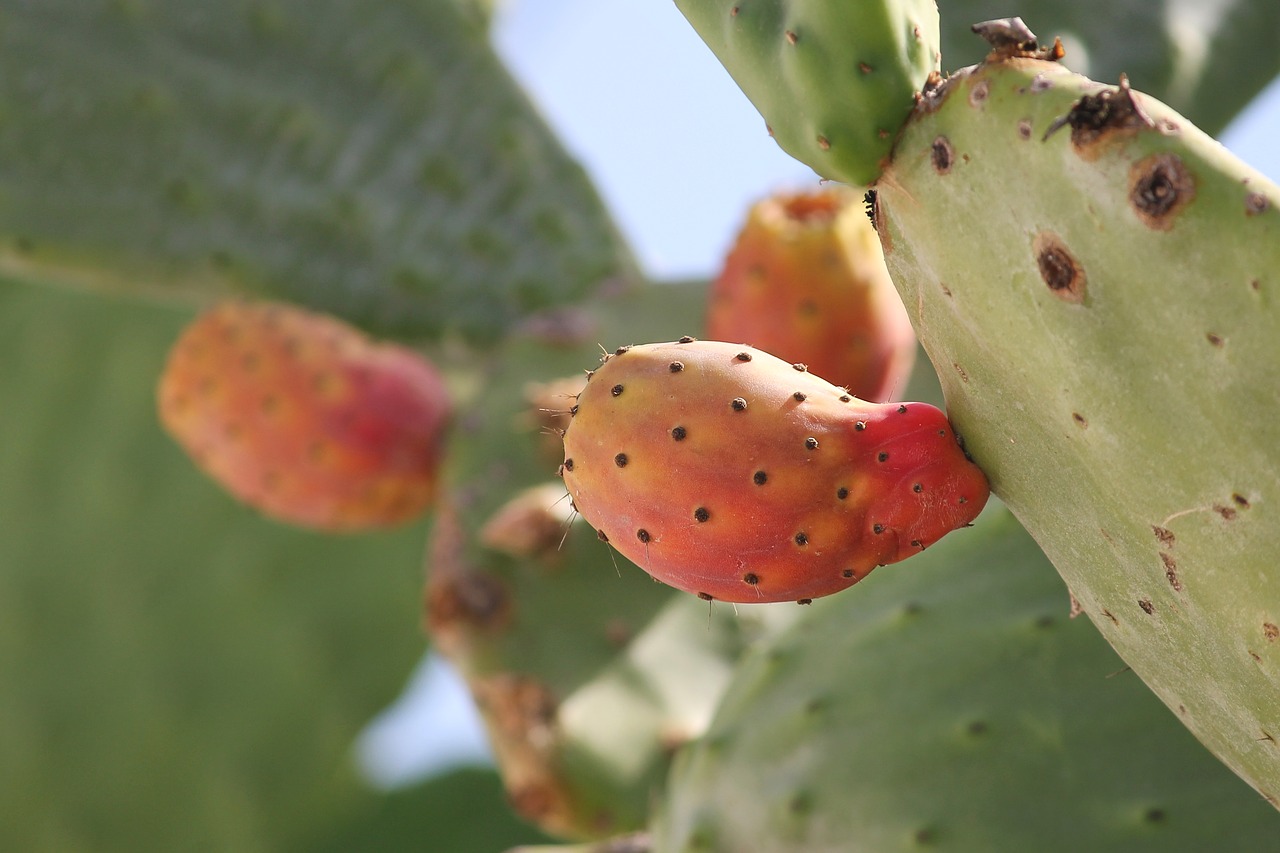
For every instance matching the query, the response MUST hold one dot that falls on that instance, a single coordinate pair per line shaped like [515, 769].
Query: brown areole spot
[942, 155]
[1059, 268]
[1160, 186]
[679, 433]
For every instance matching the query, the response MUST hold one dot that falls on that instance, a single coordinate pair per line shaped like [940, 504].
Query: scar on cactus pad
[304, 417]
[806, 281]
[727, 472]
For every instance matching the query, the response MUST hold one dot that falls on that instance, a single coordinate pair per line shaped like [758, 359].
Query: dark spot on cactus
[573, 410]
[675, 366]
[705, 596]
[882, 456]
[942, 155]
[842, 493]
[621, 350]
[686, 340]
[877, 528]
[1171, 570]
[620, 460]
[1241, 500]
[568, 465]
[1107, 613]
[477, 600]
[845, 398]
[733, 13]
[864, 68]
[1160, 186]
[859, 426]
[1096, 117]
[1215, 340]
[1058, 267]
[616, 390]
[1165, 535]
[917, 488]
[1045, 621]
[1257, 657]
[799, 396]
[978, 94]
[590, 373]
[701, 514]
[916, 543]
[1271, 631]
[743, 356]
[811, 443]
[792, 38]
[1024, 129]
[964, 377]
[751, 578]
[1256, 203]
[869, 205]
[902, 410]
[802, 539]
[1255, 284]
[824, 143]
[760, 478]
[1080, 420]
[1227, 513]
[1154, 815]
[600, 534]
[848, 573]
[643, 535]
[924, 835]
[977, 727]
[800, 366]
[804, 601]
[738, 404]
[679, 433]
[1146, 605]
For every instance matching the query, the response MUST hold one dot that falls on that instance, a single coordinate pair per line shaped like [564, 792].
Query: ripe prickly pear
[305, 418]
[806, 281]
[727, 472]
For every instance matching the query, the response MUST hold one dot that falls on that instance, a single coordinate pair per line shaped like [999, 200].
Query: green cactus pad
[951, 705]
[834, 80]
[1103, 308]
[339, 157]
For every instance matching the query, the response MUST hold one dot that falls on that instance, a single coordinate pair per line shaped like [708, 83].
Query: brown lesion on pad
[1059, 268]
[1102, 116]
[1160, 186]
[942, 155]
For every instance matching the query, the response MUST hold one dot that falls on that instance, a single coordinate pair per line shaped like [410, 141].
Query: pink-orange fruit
[727, 472]
[304, 417]
[806, 280]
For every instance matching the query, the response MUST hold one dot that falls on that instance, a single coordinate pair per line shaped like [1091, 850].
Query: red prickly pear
[304, 417]
[806, 280]
[724, 471]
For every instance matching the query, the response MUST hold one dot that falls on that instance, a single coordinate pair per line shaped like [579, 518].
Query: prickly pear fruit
[834, 81]
[806, 281]
[304, 417]
[724, 471]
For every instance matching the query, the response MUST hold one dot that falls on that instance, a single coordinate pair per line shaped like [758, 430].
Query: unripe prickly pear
[806, 281]
[727, 472]
[305, 418]
[834, 81]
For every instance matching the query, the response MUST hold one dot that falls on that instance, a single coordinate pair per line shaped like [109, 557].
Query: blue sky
[678, 154]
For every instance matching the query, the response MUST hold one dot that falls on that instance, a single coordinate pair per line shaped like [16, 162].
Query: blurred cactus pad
[1091, 276]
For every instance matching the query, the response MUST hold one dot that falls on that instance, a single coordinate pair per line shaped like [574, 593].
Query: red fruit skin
[806, 281]
[797, 491]
[304, 417]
